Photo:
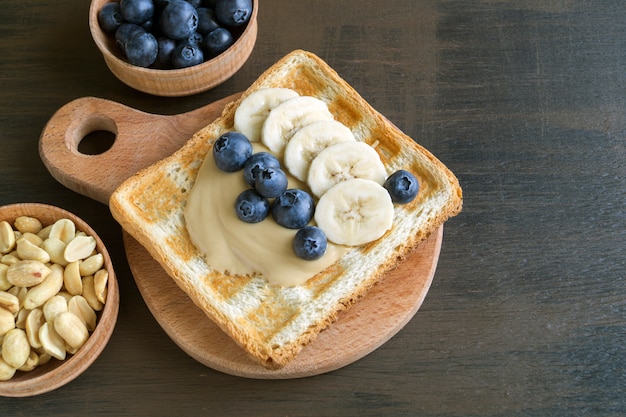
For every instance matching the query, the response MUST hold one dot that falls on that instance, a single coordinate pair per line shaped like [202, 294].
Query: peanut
[51, 342]
[55, 248]
[89, 292]
[9, 302]
[69, 349]
[79, 306]
[100, 280]
[44, 357]
[7, 321]
[4, 282]
[15, 348]
[34, 321]
[72, 279]
[32, 238]
[91, 265]
[49, 287]
[27, 224]
[19, 292]
[26, 273]
[65, 295]
[28, 250]
[6, 371]
[80, 247]
[45, 232]
[63, 229]
[71, 328]
[31, 363]
[54, 306]
[20, 319]
[10, 258]
[7, 237]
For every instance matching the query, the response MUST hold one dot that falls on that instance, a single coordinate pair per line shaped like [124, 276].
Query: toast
[273, 323]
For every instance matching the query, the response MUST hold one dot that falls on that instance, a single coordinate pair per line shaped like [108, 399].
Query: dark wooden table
[524, 100]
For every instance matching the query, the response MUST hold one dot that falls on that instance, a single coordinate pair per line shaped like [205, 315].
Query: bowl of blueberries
[174, 48]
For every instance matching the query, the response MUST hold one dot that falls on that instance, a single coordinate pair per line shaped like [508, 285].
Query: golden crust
[271, 323]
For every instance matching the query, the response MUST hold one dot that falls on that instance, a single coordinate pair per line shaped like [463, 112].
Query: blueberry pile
[292, 208]
[172, 34]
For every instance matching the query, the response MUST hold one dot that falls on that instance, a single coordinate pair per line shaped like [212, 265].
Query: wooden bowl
[175, 82]
[57, 373]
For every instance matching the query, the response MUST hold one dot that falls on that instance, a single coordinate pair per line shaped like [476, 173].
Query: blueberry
[178, 20]
[195, 3]
[293, 209]
[251, 207]
[125, 32]
[257, 163]
[207, 22]
[166, 46]
[271, 182]
[148, 25]
[310, 243]
[233, 12]
[402, 186]
[217, 41]
[109, 17]
[194, 39]
[142, 49]
[231, 150]
[186, 55]
[136, 11]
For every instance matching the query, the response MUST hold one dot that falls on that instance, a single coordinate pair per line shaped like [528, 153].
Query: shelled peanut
[52, 284]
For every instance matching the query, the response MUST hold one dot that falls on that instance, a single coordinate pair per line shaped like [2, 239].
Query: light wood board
[142, 139]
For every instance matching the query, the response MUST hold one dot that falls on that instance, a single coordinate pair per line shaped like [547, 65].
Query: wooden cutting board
[142, 139]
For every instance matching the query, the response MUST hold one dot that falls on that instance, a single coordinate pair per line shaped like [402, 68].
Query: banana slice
[288, 117]
[354, 212]
[309, 141]
[253, 110]
[343, 161]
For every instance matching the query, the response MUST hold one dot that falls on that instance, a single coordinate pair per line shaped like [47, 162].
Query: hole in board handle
[96, 142]
[93, 135]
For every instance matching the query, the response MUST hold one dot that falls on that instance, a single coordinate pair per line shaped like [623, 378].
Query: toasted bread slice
[274, 323]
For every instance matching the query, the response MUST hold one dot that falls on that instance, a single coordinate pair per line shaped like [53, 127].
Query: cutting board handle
[140, 140]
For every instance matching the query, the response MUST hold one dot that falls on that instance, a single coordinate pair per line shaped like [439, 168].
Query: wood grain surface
[523, 99]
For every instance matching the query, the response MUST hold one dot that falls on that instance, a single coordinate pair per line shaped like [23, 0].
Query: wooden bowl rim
[98, 36]
[57, 373]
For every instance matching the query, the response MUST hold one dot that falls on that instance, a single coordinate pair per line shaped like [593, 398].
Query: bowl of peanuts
[59, 298]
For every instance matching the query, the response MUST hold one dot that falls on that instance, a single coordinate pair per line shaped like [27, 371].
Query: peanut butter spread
[233, 246]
